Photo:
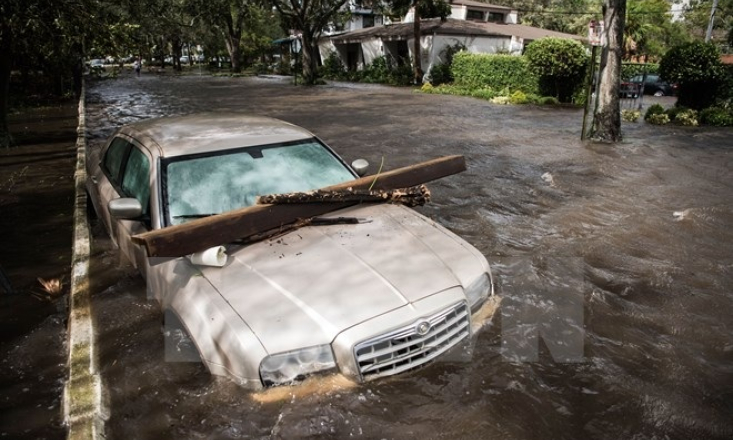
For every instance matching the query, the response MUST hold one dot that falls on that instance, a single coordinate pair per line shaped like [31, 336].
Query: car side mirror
[125, 208]
[360, 166]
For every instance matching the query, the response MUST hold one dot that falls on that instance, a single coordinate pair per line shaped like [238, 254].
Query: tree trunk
[417, 35]
[607, 126]
[176, 46]
[233, 40]
[6, 140]
[308, 60]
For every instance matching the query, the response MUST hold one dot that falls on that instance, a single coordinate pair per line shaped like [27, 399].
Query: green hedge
[494, 71]
[629, 70]
[560, 64]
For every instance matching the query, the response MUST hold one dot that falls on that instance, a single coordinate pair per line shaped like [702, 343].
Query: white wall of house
[326, 48]
[472, 44]
[458, 12]
[431, 48]
[371, 49]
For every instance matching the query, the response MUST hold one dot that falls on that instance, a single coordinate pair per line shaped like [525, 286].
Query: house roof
[404, 31]
[482, 5]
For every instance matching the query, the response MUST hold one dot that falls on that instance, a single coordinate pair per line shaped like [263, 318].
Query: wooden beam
[201, 234]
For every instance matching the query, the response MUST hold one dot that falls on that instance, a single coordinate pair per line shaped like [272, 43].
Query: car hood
[305, 287]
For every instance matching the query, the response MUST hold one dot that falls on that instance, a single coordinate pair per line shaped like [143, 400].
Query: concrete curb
[83, 391]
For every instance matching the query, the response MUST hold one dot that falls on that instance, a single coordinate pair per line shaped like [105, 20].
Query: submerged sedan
[374, 297]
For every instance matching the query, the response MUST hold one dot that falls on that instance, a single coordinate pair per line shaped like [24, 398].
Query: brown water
[632, 303]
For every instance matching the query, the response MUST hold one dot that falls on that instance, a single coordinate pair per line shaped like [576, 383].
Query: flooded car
[377, 296]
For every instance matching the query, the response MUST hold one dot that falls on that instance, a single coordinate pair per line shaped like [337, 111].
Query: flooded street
[614, 266]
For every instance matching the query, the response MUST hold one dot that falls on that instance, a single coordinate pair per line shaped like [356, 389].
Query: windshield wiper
[322, 221]
[195, 215]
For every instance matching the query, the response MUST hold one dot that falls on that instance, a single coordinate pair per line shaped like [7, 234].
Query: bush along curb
[83, 410]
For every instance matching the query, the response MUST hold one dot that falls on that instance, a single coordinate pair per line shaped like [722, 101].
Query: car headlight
[478, 291]
[295, 365]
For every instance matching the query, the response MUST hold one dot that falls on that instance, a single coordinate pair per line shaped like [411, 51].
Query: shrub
[484, 93]
[672, 112]
[697, 68]
[518, 97]
[716, 116]
[560, 64]
[653, 110]
[630, 115]
[687, 117]
[401, 75]
[377, 71]
[658, 119]
[332, 67]
[548, 100]
[629, 70]
[440, 74]
[495, 71]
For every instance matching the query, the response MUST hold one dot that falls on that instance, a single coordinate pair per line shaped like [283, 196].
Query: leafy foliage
[697, 16]
[655, 109]
[630, 115]
[687, 117]
[309, 18]
[553, 14]
[649, 29]
[716, 116]
[441, 73]
[560, 64]
[494, 71]
[629, 70]
[697, 68]
[660, 119]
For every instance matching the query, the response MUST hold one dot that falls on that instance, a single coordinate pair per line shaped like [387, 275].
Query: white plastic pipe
[215, 256]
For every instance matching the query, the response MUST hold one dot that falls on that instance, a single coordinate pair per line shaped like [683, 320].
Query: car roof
[202, 133]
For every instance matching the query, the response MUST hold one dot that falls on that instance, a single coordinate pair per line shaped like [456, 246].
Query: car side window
[136, 179]
[114, 158]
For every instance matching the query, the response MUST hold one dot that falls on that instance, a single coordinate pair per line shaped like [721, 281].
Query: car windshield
[202, 185]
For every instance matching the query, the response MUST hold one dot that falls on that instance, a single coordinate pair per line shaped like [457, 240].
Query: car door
[135, 183]
[104, 177]
[124, 172]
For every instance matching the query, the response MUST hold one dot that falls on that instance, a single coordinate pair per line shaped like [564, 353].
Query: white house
[480, 27]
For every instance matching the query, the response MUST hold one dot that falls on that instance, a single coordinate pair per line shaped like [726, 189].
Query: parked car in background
[377, 290]
[653, 85]
[629, 90]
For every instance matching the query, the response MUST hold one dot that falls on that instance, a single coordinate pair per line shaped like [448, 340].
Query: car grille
[406, 348]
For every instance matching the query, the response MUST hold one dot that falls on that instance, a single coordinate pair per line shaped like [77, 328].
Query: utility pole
[709, 33]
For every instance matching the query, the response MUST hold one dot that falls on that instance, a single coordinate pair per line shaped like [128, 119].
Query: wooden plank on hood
[201, 234]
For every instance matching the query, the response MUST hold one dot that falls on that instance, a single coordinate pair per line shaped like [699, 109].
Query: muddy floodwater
[614, 265]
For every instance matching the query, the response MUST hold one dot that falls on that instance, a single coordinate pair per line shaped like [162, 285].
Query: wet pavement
[36, 203]
[614, 264]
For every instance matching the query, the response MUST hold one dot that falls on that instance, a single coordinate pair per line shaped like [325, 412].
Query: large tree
[41, 36]
[607, 125]
[649, 29]
[569, 16]
[697, 18]
[229, 16]
[309, 18]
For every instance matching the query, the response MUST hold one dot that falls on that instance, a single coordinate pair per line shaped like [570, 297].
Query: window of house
[474, 15]
[367, 21]
[496, 17]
